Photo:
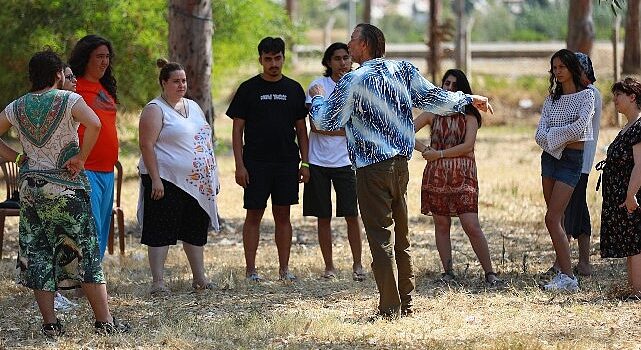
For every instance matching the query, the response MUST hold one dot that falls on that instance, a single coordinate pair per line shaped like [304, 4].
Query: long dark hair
[80, 57]
[327, 56]
[572, 63]
[43, 67]
[463, 85]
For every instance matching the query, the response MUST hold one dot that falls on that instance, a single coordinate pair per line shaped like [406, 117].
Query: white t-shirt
[324, 150]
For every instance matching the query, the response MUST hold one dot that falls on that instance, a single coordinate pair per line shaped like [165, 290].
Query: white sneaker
[60, 303]
[562, 283]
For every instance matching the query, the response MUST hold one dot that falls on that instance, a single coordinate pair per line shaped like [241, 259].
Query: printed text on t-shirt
[273, 97]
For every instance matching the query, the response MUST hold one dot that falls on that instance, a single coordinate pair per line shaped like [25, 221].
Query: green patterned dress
[58, 243]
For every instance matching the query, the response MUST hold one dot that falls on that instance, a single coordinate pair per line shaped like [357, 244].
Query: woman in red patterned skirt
[450, 187]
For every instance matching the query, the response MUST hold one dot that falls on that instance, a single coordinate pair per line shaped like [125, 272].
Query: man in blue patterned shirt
[374, 104]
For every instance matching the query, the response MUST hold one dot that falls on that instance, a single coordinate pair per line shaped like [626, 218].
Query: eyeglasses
[70, 77]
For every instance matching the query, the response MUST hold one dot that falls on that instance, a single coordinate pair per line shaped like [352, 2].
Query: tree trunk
[580, 26]
[367, 11]
[631, 49]
[291, 6]
[434, 56]
[190, 34]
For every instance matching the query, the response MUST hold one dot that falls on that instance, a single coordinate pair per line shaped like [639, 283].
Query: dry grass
[320, 314]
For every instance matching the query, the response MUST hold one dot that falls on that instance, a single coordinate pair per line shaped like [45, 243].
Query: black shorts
[577, 215]
[317, 197]
[176, 216]
[276, 179]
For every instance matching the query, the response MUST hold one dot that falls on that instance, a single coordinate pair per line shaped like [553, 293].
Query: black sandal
[52, 330]
[115, 327]
[493, 282]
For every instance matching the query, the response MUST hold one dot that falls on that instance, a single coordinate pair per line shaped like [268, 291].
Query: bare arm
[339, 132]
[471, 127]
[303, 144]
[423, 119]
[149, 128]
[88, 118]
[6, 152]
[635, 181]
[242, 176]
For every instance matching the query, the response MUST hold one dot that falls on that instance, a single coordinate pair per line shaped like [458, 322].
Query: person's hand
[630, 204]
[303, 174]
[431, 154]
[157, 189]
[315, 90]
[74, 165]
[482, 103]
[242, 176]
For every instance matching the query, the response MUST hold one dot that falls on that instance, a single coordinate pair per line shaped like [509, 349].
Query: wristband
[303, 164]
[19, 158]
[441, 152]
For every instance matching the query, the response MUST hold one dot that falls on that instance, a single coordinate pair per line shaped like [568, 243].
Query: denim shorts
[567, 169]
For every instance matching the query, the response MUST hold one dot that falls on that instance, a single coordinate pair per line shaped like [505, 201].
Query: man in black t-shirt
[269, 111]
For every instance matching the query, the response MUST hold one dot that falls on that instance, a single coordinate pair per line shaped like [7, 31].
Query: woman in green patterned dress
[57, 238]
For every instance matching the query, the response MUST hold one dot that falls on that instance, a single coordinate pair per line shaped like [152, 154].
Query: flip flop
[329, 275]
[201, 287]
[159, 291]
[358, 276]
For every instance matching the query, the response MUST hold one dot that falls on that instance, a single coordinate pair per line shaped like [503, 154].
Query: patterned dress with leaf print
[57, 236]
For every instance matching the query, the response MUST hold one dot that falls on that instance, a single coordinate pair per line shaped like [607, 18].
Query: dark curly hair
[43, 67]
[80, 57]
[463, 85]
[572, 63]
[629, 86]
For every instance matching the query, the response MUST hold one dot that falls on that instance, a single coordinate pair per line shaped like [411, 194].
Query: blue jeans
[102, 202]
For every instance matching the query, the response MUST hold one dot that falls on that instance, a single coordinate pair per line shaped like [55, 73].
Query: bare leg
[325, 243]
[471, 226]
[355, 241]
[634, 274]
[97, 296]
[157, 257]
[283, 235]
[584, 266]
[443, 244]
[557, 195]
[197, 263]
[45, 304]
[251, 236]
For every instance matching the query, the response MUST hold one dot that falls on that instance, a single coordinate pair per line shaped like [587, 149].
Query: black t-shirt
[270, 110]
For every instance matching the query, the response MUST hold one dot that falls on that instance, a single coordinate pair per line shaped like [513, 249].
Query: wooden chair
[11, 206]
[117, 216]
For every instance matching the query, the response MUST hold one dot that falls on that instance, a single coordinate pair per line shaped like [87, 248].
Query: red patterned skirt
[450, 187]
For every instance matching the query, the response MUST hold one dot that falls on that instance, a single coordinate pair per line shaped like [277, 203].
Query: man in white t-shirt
[330, 165]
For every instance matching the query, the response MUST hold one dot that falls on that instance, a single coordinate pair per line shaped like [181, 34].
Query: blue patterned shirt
[374, 104]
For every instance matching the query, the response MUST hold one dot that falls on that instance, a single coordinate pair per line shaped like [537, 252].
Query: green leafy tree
[135, 28]
[239, 27]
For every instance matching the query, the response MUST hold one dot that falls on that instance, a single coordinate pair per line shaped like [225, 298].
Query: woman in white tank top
[179, 178]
